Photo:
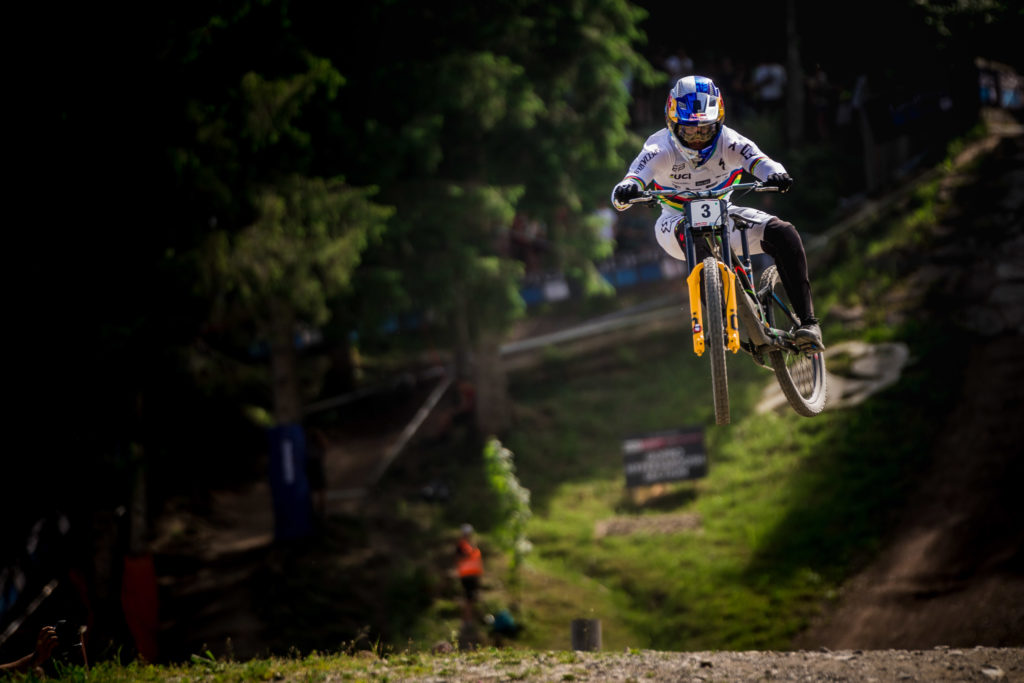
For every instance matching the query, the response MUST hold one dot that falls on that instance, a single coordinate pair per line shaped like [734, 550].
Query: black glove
[625, 191]
[780, 180]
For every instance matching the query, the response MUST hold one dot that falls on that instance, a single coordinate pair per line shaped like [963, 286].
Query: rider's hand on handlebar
[625, 191]
[780, 180]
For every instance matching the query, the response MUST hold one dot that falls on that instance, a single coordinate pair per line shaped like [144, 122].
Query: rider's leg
[782, 242]
[666, 231]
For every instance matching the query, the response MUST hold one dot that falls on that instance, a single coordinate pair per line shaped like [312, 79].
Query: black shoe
[808, 338]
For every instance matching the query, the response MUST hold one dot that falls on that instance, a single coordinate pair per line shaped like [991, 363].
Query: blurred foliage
[224, 131]
[512, 508]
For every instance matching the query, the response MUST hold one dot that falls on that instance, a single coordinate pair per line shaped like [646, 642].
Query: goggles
[694, 134]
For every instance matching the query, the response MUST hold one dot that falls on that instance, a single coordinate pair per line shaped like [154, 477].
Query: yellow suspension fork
[732, 327]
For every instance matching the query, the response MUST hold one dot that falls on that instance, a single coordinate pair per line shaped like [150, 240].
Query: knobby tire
[714, 334]
[801, 377]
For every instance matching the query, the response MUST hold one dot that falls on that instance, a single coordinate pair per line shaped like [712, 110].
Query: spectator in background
[989, 88]
[1010, 86]
[768, 82]
[469, 566]
[527, 241]
[677, 65]
[503, 625]
[33, 662]
[733, 78]
[640, 109]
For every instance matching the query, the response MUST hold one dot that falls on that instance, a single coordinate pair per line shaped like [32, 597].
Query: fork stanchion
[693, 281]
[732, 325]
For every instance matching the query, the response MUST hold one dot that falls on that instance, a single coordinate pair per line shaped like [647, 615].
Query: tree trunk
[463, 337]
[340, 377]
[493, 413]
[871, 165]
[284, 375]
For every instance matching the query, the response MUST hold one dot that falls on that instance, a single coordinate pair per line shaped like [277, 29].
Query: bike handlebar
[647, 195]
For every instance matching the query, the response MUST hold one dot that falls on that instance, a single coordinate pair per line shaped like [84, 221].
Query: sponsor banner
[671, 455]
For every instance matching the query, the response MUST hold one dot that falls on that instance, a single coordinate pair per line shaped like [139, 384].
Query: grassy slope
[789, 508]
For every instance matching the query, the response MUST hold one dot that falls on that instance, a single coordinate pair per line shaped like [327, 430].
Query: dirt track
[952, 572]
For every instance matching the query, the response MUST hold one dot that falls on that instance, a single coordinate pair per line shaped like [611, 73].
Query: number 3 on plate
[704, 212]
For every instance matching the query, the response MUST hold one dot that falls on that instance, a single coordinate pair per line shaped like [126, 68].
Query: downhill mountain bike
[760, 320]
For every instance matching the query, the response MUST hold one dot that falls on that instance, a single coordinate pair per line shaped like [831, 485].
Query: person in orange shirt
[469, 566]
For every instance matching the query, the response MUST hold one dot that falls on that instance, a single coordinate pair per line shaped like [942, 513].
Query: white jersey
[661, 166]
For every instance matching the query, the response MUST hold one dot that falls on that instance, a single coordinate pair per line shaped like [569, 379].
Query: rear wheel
[714, 333]
[801, 377]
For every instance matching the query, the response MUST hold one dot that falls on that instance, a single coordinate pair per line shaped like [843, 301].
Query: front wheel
[714, 333]
[801, 377]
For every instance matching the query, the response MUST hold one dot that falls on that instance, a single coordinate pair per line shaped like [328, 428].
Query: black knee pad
[780, 237]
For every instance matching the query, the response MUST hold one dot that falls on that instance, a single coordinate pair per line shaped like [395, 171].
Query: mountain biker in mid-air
[696, 151]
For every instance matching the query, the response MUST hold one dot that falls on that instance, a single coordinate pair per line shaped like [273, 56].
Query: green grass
[363, 665]
[790, 507]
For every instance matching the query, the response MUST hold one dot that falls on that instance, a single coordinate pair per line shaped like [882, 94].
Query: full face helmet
[694, 112]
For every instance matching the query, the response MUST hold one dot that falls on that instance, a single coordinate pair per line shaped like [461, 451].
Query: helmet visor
[694, 136]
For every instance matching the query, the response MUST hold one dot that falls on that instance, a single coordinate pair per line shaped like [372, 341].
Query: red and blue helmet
[694, 112]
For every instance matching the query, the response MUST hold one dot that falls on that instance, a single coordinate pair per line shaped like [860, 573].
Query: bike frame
[706, 215]
[746, 308]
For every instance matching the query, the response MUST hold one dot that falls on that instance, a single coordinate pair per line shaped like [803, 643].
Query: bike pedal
[808, 344]
[809, 349]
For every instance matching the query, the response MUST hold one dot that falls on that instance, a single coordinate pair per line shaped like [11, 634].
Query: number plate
[704, 212]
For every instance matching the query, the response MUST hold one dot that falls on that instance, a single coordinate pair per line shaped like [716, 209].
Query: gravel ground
[934, 665]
